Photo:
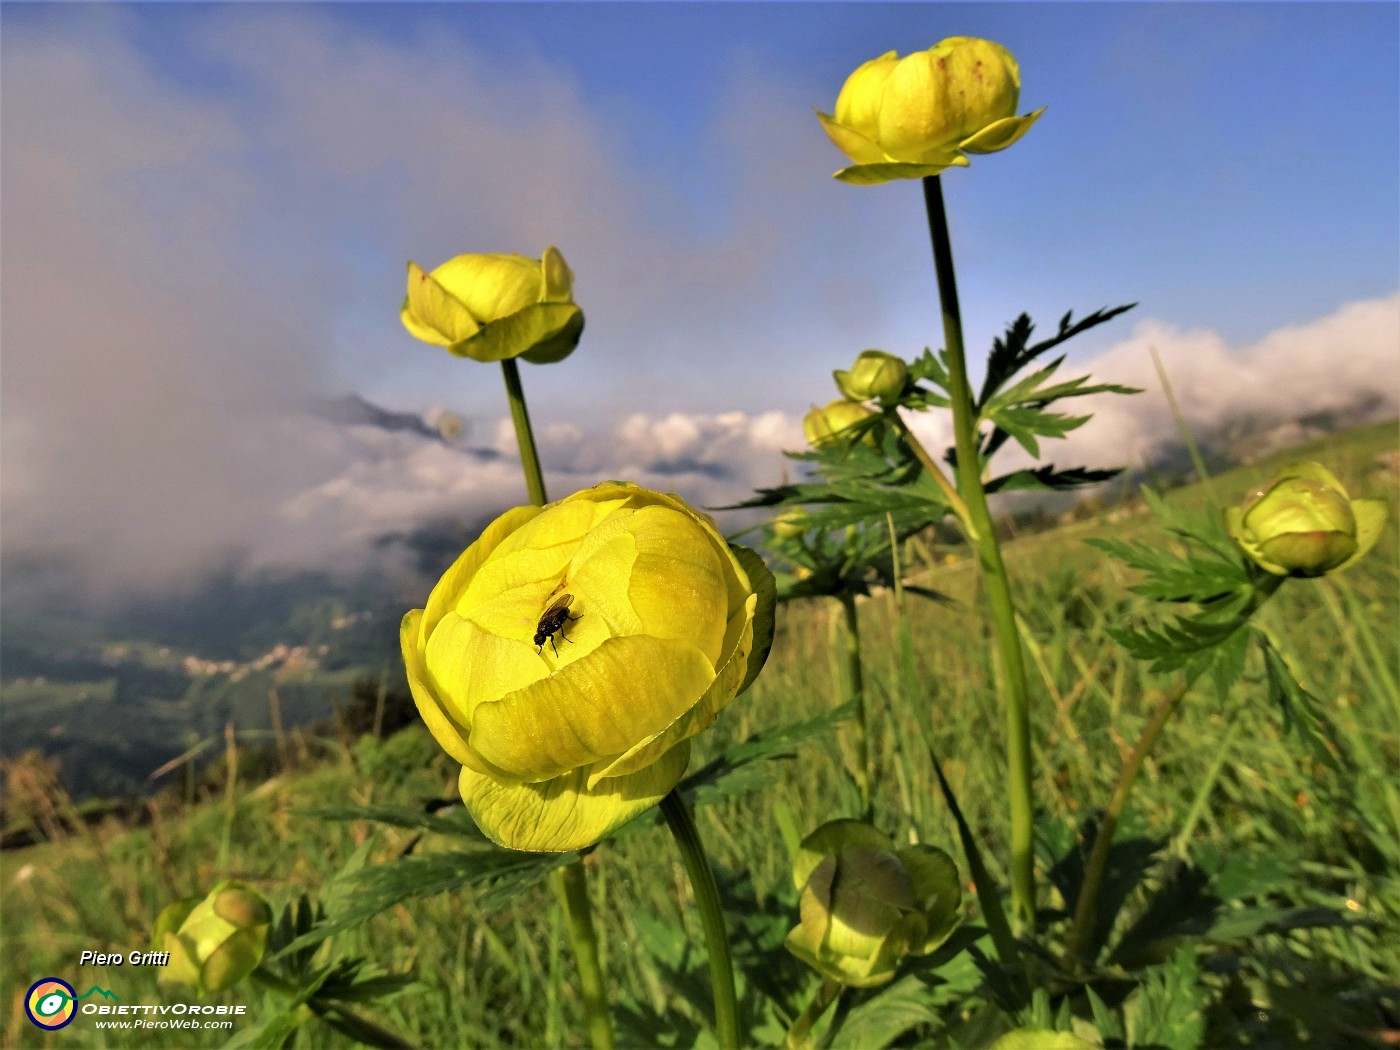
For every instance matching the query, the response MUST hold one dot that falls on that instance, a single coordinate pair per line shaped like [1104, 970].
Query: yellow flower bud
[572, 651]
[790, 524]
[216, 942]
[875, 375]
[824, 425]
[1303, 524]
[866, 905]
[905, 118]
[493, 307]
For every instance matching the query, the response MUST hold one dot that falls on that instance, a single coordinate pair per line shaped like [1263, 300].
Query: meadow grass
[506, 979]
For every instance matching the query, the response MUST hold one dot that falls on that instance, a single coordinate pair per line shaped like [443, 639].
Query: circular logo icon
[51, 1003]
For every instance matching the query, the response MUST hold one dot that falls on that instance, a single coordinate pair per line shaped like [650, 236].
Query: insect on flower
[552, 622]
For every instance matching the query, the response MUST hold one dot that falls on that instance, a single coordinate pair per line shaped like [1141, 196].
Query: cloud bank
[185, 270]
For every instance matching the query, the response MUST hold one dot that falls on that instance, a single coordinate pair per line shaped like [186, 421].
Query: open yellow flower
[568, 729]
[492, 307]
[905, 118]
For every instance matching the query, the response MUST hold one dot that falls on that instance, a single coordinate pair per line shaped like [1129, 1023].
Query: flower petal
[1370, 523]
[434, 314]
[564, 813]
[542, 333]
[593, 709]
[448, 591]
[450, 735]
[1001, 133]
[875, 174]
[851, 142]
[556, 279]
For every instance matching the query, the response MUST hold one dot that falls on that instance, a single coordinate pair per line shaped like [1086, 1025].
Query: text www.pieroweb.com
[177, 1022]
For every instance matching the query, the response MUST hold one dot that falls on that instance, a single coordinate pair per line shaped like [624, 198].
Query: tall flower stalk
[1011, 660]
[702, 883]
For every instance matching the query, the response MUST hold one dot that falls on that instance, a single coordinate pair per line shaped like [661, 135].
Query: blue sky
[209, 207]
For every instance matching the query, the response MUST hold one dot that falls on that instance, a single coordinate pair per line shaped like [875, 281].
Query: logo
[51, 1002]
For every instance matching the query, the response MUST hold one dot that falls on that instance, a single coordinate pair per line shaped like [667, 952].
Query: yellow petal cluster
[493, 307]
[215, 942]
[566, 734]
[905, 118]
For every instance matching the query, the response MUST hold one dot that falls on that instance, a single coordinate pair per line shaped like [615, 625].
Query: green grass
[505, 979]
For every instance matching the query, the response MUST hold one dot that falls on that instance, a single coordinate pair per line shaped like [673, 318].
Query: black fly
[552, 622]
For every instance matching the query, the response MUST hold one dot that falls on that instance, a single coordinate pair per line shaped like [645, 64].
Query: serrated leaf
[449, 821]
[499, 875]
[1048, 478]
[1168, 1008]
[1012, 353]
[885, 1016]
[1302, 712]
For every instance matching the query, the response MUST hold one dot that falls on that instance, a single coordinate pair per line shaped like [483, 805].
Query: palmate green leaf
[1048, 478]
[885, 1016]
[1303, 713]
[1173, 577]
[355, 981]
[932, 368]
[1027, 423]
[1168, 1008]
[1014, 351]
[498, 875]
[453, 820]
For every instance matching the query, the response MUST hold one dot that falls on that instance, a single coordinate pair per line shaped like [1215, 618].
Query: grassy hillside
[505, 980]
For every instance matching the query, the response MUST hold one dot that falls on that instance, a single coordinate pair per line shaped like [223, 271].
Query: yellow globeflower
[572, 651]
[215, 942]
[491, 307]
[905, 118]
[866, 904]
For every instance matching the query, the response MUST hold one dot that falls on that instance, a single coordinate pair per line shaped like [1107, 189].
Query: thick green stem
[570, 882]
[855, 677]
[939, 478]
[706, 890]
[524, 436]
[799, 1036]
[1094, 869]
[571, 885]
[1015, 694]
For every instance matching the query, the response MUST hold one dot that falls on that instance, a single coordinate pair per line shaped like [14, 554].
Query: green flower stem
[1015, 693]
[571, 885]
[524, 436]
[939, 478]
[799, 1036]
[1083, 926]
[570, 882]
[856, 679]
[702, 883]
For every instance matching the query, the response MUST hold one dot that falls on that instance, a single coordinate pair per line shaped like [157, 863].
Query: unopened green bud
[216, 942]
[876, 375]
[824, 425]
[1303, 524]
[866, 905]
